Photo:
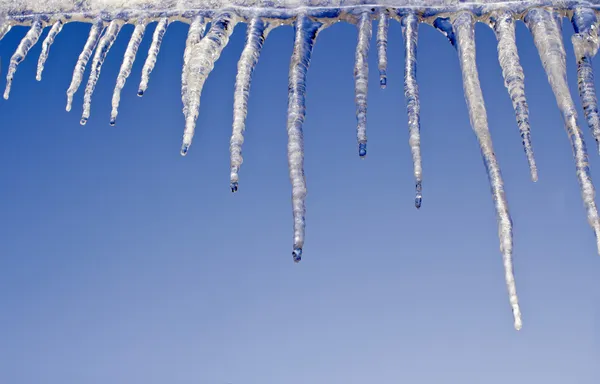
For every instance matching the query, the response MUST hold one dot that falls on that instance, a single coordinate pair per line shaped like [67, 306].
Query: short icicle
[125, 71]
[48, 41]
[546, 30]
[465, 38]
[361, 79]
[84, 57]
[382, 42]
[410, 30]
[25, 45]
[503, 23]
[203, 56]
[585, 44]
[306, 34]
[5, 27]
[103, 47]
[157, 38]
[255, 38]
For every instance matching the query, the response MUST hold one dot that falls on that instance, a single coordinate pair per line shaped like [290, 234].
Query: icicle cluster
[454, 19]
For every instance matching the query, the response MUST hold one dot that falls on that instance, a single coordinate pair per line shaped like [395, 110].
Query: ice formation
[212, 23]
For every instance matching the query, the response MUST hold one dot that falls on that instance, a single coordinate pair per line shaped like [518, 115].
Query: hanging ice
[382, 39]
[55, 30]
[28, 41]
[361, 80]
[157, 38]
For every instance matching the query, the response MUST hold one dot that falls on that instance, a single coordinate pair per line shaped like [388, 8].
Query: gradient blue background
[122, 262]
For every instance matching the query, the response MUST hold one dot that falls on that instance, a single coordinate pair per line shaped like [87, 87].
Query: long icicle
[382, 42]
[410, 30]
[465, 38]
[157, 38]
[585, 44]
[103, 47]
[306, 34]
[546, 31]
[48, 41]
[84, 57]
[202, 60]
[503, 23]
[125, 71]
[361, 79]
[255, 38]
[25, 45]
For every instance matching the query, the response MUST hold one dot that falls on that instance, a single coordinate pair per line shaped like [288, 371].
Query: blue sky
[123, 262]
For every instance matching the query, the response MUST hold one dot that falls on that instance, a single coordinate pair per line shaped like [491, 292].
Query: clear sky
[123, 262]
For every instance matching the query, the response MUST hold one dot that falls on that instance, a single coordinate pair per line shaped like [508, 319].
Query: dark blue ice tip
[362, 149]
[140, 93]
[112, 122]
[297, 255]
[83, 121]
[234, 186]
[383, 81]
[184, 149]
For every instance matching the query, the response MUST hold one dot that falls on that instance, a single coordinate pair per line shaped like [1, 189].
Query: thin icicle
[361, 80]
[306, 34]
[503, 23]
[546, 30]
[103, 47]
[410, 31]
[5, 27]
[84, 57]
[203, 56]
[157, 38]
[255, 38]
[128, 59]
[48, 41]
[382, 41]
[25, 45]
[465, 38]
[585, 44]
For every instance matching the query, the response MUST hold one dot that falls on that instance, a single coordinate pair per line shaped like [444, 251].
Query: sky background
[123, 262]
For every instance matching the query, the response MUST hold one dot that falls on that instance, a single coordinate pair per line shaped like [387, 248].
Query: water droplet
[113, 121]
[362, 149]
[234, 186]
[297, 254]
[383, 81]
[83, 121]
[184, 149]
[140, 92]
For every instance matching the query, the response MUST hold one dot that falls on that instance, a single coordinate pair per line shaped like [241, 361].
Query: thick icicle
[255, 38]
[306, 34]
[25, 45]
[382, 41]
[202, 60]
[585, 44]
[48, 41]
[125, 71]
[503, 23]
[361, 80]
[157, 38]
[410, 30]
[103, 47]
[84, 57]
[465, 38]
[546, 30]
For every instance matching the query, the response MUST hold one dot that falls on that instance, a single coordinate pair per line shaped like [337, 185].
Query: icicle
[465, 38]
[382, 39]
[55, 30]
[84, 57]
[585, 44]
[5, 27]
[157, 38]
[514, 79]
[128, 59]
[361, 80]
[255, 38]
[306, 34]
[24, 46]
[410, 30]
[103, 47]
[546, 31]
[203, 56]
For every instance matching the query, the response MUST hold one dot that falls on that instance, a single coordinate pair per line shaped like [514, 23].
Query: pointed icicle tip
[297, 255]
[234, 186]
[418, 195]
[184, 149]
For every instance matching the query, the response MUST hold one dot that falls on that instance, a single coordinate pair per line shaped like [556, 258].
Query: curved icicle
[4, 29]
[585, 44]
[125, 71]
[157, 38]
[25, 45]
[361, 80]
[546, 31]
[306, 34]
[514, 79]
[465, 38]
[410, 30]
[48, 41]
[382, 41]
[84, 57]
[255, 38]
